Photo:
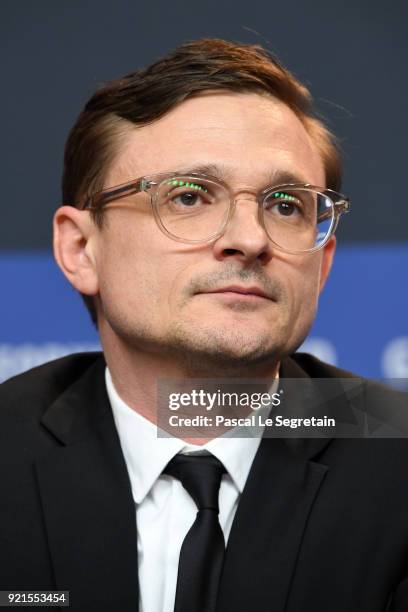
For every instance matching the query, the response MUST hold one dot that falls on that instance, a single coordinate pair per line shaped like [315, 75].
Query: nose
[244, 238]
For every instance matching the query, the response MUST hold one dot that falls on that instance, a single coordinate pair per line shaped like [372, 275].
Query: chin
[227, 362]
[227, 345]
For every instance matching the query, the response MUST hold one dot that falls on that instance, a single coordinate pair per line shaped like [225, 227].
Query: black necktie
[202, 551]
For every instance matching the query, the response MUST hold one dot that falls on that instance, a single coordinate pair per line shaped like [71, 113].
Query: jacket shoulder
[376, 393]
[36, 389]
[315, 368]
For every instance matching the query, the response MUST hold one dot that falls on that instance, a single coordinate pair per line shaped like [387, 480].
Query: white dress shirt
[164, 509]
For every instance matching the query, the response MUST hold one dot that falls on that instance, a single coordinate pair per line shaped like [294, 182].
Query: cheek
[303, 286]
[130, 281]
[138, 272]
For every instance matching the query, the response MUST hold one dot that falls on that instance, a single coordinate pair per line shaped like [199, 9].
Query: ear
[74, 238]
[327, 260]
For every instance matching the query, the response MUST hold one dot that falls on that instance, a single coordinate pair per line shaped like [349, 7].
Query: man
[198, 225]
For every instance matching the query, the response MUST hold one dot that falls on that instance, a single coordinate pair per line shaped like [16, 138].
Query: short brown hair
[144, 96]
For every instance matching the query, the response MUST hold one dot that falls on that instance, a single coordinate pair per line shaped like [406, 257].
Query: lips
[249, 291]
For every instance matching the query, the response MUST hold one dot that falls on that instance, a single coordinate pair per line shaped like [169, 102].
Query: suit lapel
[88, 508]
[266, 534]
[271, 518]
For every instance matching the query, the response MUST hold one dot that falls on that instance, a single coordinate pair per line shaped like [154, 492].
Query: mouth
[240, 292]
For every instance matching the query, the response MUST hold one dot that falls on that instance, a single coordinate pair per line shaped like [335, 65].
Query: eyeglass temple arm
[340, 207]
[100, 199]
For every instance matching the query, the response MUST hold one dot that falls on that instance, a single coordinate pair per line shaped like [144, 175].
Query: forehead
[249, 137]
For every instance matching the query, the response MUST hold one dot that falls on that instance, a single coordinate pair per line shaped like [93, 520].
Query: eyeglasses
[196, 209]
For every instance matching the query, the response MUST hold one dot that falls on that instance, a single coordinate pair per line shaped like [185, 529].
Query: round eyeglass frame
[98, 200]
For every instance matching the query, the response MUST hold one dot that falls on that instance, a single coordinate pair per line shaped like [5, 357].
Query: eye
[286, 208]
[283, 204]
[188, 198]
[187, 194]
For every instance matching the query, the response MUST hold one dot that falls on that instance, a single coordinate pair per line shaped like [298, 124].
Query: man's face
[163, 296]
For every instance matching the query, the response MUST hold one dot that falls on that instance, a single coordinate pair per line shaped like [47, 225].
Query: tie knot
[200, 475]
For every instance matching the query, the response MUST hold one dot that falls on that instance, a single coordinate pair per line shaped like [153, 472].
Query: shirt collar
[147, 455]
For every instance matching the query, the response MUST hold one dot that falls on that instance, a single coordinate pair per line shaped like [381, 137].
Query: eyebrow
[275, 177]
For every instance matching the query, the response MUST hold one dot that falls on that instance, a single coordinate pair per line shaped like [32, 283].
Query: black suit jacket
[322, 525]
